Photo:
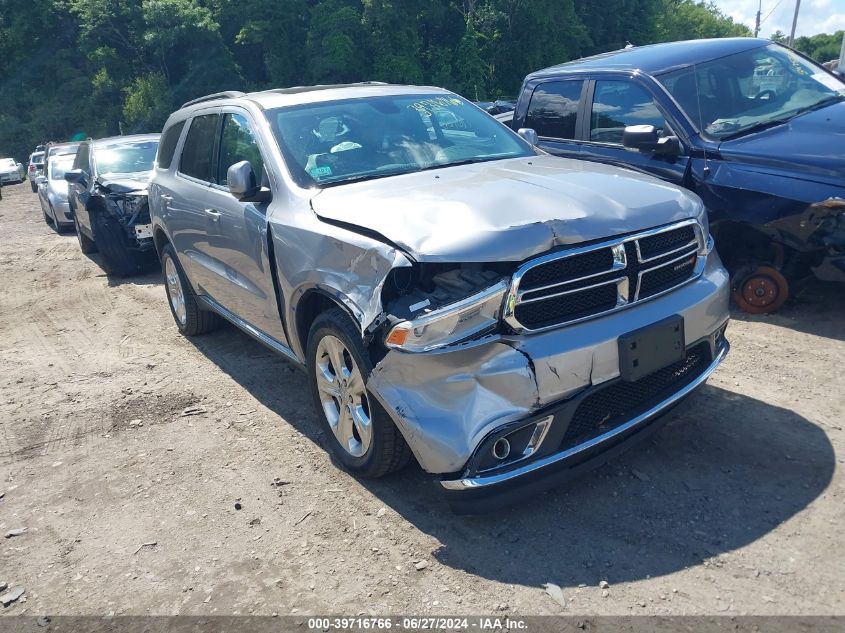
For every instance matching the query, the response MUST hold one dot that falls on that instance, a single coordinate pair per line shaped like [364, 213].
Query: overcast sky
[815, 16]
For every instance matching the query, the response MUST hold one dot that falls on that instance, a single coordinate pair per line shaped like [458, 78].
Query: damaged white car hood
[507, 210]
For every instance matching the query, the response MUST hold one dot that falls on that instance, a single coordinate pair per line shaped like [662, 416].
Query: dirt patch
[734, 507]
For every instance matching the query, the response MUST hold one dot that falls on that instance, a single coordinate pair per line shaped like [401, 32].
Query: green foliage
[822, 47]
[98, 67]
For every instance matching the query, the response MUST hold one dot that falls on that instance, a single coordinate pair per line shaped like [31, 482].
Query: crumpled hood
[810, 146]
[505, 210]
[126, 183]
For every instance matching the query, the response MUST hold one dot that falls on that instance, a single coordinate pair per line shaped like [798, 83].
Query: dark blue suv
[754, 128]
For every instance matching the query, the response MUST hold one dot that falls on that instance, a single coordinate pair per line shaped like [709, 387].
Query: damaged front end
[820, 230]
[127, 203]
[482, 401]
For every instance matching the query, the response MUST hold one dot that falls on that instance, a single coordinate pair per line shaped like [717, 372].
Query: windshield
[62, 149]
[58, 165]
[126, 157]
[357, 139]
[8, 162]
[749, 90]
[37, 159]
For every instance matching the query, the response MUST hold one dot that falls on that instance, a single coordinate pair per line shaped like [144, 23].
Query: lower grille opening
[613, 406]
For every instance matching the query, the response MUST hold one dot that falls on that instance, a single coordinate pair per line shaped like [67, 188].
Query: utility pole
[794, 23]
[757, 24]
[841, 66]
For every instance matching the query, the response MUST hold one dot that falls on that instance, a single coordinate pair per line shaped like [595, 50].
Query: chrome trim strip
[512, 298]
[470, 483]
[663, 265]
[620, 262]
[563, 293]
[694, 242]
[254, 332]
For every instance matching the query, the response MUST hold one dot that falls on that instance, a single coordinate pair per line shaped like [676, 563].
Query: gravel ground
[126, 451]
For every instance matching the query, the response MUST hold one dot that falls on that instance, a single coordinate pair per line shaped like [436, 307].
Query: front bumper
[484, 492]
[449, 402]
[62, 210]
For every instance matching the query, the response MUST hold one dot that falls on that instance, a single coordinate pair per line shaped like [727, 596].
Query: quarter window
[168, 145]
[553, 110]
[238, 143]
[198, 152]
[617, 104]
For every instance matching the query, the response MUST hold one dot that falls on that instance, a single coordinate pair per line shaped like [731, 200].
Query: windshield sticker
[428, 106]
[320, 172]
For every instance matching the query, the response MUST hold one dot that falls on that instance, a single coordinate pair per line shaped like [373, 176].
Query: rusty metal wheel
[760, 290]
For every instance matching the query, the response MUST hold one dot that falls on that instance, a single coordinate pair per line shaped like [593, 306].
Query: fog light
[501, 448]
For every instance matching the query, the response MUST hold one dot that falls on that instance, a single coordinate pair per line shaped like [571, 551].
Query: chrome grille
[585, 282]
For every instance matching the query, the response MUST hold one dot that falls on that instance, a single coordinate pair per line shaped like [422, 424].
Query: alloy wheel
[174, 291]
[343, 396]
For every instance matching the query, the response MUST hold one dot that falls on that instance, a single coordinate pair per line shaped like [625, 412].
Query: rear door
[187, 201]
[555, 113]
[613, 104]
[237, 233]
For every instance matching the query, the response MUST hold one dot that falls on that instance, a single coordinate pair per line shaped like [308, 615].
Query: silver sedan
[52, 192]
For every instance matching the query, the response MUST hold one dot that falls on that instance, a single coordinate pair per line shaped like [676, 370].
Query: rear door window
[167, 146]
[236, 144]
[553, 110]
[617, 104]
[197, 158]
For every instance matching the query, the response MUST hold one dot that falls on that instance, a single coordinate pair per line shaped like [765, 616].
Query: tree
[336, 42]
[689, 20]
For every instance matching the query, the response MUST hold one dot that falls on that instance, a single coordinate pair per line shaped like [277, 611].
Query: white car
[10, 171]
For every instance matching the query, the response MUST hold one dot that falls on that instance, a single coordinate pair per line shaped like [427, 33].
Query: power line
[769, 14]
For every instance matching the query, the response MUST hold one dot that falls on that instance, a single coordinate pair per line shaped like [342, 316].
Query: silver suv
[454, 294]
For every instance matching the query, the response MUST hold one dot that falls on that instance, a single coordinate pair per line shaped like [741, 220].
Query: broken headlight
[450, 324]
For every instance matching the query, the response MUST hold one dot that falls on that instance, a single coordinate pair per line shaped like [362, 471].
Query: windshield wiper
[824, 102]
[362, 178]
[469, 161]
[757, 127]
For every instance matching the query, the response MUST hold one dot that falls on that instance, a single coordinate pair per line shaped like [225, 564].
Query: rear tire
[190, 318]
[114, 246]
[361, 434]
[86, 244]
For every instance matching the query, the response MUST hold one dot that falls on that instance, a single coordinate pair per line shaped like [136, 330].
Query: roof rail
[228, 94]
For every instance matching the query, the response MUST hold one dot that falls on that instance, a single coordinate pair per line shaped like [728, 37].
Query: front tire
[190, 318]
[361, 434]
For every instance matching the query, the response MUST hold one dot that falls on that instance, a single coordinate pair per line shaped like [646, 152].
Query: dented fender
[451, 399]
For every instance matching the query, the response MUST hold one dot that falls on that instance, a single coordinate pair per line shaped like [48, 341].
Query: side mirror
[243, 184]
[644, 138]
[77, 176]
[529, 135]
[40, 180]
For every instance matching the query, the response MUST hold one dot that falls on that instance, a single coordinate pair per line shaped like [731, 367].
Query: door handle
[167, 198]
[214, 214]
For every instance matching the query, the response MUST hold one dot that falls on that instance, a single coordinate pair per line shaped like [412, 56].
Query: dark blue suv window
[617, 104]
[553, 110]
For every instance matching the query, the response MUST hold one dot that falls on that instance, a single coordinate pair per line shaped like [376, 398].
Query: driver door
[613, 104]
[237, 232]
